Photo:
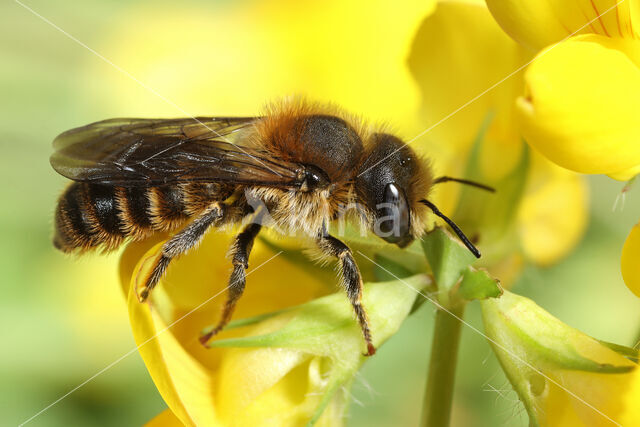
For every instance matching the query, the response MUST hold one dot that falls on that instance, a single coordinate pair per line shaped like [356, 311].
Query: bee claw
[143, 294]
[371, 350]
[204, 339]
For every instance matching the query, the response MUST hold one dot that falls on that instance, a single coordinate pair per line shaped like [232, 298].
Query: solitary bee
[304, 162]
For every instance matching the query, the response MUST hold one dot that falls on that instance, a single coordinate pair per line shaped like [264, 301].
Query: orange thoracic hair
[288, 134]
[284, 132]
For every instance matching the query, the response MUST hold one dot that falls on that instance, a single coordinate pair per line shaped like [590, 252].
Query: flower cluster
[449, 74]
[466, 69]
[582, 89]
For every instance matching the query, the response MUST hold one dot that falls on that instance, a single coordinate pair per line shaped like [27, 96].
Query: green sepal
[630, 353]
[387, 269]
[298, 257]
[410, 258]
[547, 340]
[247, 321]
[533, 346]
[313, 323]
[478, 284]
[448, 259]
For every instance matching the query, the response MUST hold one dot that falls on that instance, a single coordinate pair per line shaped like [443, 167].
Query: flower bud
[562, 376]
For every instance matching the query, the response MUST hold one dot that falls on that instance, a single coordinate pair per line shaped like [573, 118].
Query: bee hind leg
[186, 239]
[351, 281]
[239, 253]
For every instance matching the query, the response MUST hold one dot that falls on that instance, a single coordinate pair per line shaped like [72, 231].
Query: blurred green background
[64, 320]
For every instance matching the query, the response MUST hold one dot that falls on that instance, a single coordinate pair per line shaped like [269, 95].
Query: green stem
[442, 368]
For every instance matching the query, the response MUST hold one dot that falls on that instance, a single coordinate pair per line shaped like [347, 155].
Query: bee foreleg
[351, 281]
[239, 254]
[186, 239]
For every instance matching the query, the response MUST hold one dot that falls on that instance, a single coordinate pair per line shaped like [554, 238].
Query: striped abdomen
[91, 216]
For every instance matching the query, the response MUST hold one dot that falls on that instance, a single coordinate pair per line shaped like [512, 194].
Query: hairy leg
[351, 281]
[239, 252]
[186, 239]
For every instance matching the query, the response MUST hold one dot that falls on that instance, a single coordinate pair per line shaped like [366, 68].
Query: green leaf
[477, 284]
[448, 259]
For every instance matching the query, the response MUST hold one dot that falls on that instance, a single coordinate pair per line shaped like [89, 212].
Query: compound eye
[393, 216]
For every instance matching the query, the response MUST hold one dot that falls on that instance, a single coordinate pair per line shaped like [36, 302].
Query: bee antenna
[455, 228]
[464, 181]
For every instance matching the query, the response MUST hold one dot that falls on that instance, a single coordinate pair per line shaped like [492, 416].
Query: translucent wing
[137, 152]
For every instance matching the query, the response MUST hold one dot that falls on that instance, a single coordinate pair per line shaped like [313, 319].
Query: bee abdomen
[87, 217]
[168, 207]
[134, 207]
[91, 216]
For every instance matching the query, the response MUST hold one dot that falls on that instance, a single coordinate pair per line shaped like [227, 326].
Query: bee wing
[137, 152]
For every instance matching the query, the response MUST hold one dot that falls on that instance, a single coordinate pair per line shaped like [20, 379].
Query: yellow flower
[284, 369]
[539, 23]
[629, 263]
[230, 59]
[581, 98]
[581, 102]
[562, 376]
[464, 64]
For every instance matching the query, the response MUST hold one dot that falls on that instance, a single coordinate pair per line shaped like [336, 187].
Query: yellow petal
[630, 262]
[177, 376]
[165, 418]
[548, 232]
[592, 399]
[449, 60]
[581, 104]
[166, 328]
[626, 175]
[539, 23]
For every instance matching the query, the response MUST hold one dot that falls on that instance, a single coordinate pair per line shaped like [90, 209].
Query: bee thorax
[292, 212]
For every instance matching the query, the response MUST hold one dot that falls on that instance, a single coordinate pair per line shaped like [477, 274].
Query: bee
[305, 162]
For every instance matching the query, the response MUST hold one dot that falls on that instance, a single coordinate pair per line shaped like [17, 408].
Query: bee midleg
[350, 279]
[186, 239]
[239, 252]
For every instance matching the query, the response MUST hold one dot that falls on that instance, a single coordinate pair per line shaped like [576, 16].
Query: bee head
[390, 182]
